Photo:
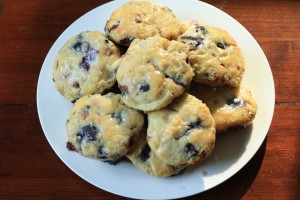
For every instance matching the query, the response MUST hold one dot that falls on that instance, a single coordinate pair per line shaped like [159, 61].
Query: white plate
[232, 151]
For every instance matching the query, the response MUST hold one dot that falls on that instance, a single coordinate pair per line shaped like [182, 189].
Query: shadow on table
[236, 186]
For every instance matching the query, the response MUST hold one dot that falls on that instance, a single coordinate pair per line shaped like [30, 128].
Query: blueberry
[113, 27]
[90, 56]
[198, 40]
[77, 46]
[144, 86]
[195, 125]
[118, 116]
[82, 47]
[235, 102]
[127, 41]
[88, 132]
[84, 65]
[190, 148]
[221, 45]
[176, 80]
[124, 89]
[187, 60]
[145, 153]
[202, 29]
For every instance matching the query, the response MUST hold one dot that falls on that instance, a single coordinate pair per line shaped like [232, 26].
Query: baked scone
[231, 108]
[214, 55]
[153, 72]
[144, 158]
[142, 19]
[84, 65]
[183, 132]
[101, 127]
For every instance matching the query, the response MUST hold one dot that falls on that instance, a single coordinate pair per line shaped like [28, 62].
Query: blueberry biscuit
[144, 158]
[214, 55]
[142, 19]
[182, 133]
[231, 108]
[101, 127]
[153, 72]
[84, 65]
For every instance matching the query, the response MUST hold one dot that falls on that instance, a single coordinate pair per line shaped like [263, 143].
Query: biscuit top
[144, 158]
[183, 132]
[214, 55]
[142, 19]
[153, 72]
[102, 127]
[84, 65]
[230, 107]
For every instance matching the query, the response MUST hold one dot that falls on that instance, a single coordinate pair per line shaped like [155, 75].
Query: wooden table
[29, 168]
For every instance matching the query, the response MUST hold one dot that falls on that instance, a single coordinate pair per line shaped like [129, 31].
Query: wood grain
[29, 168]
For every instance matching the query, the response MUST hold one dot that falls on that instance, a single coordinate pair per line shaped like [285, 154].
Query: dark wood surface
[29, 168]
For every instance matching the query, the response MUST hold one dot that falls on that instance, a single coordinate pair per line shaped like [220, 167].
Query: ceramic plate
[233, 150]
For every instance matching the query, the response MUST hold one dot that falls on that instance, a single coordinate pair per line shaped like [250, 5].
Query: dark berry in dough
[221, 45]
[88, 132]
[82, 47]
[144, 87]
[190, 148]
[145, 153]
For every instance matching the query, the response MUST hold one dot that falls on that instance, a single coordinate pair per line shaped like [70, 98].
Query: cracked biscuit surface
[84, 65]
[101, 127]
[145, 159]
[214, 55]
[231, 108]
[153, 72]
[142, 19]
[183, 132]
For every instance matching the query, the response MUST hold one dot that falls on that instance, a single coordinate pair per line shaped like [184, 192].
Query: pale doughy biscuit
[153, 72]
[84, 65]
[231, 108]
[144, 158]
[142, 19]
[183, 132]
[214, 55]
[101, 127]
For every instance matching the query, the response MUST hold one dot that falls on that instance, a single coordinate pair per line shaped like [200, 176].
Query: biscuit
[214, 55]
[231, 108]
[144, 158]
[84, 65]
[153, 72]
[182, 133]
[142, 19]
[101, 127]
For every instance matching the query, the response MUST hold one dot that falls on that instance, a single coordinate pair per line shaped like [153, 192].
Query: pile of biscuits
[179, 83]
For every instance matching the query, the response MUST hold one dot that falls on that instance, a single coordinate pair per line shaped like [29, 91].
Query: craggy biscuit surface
[101, 127]
[84, 65]
[142, 19]
[182, 133]
[153, 72]
[231, 108]
[214, 55]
